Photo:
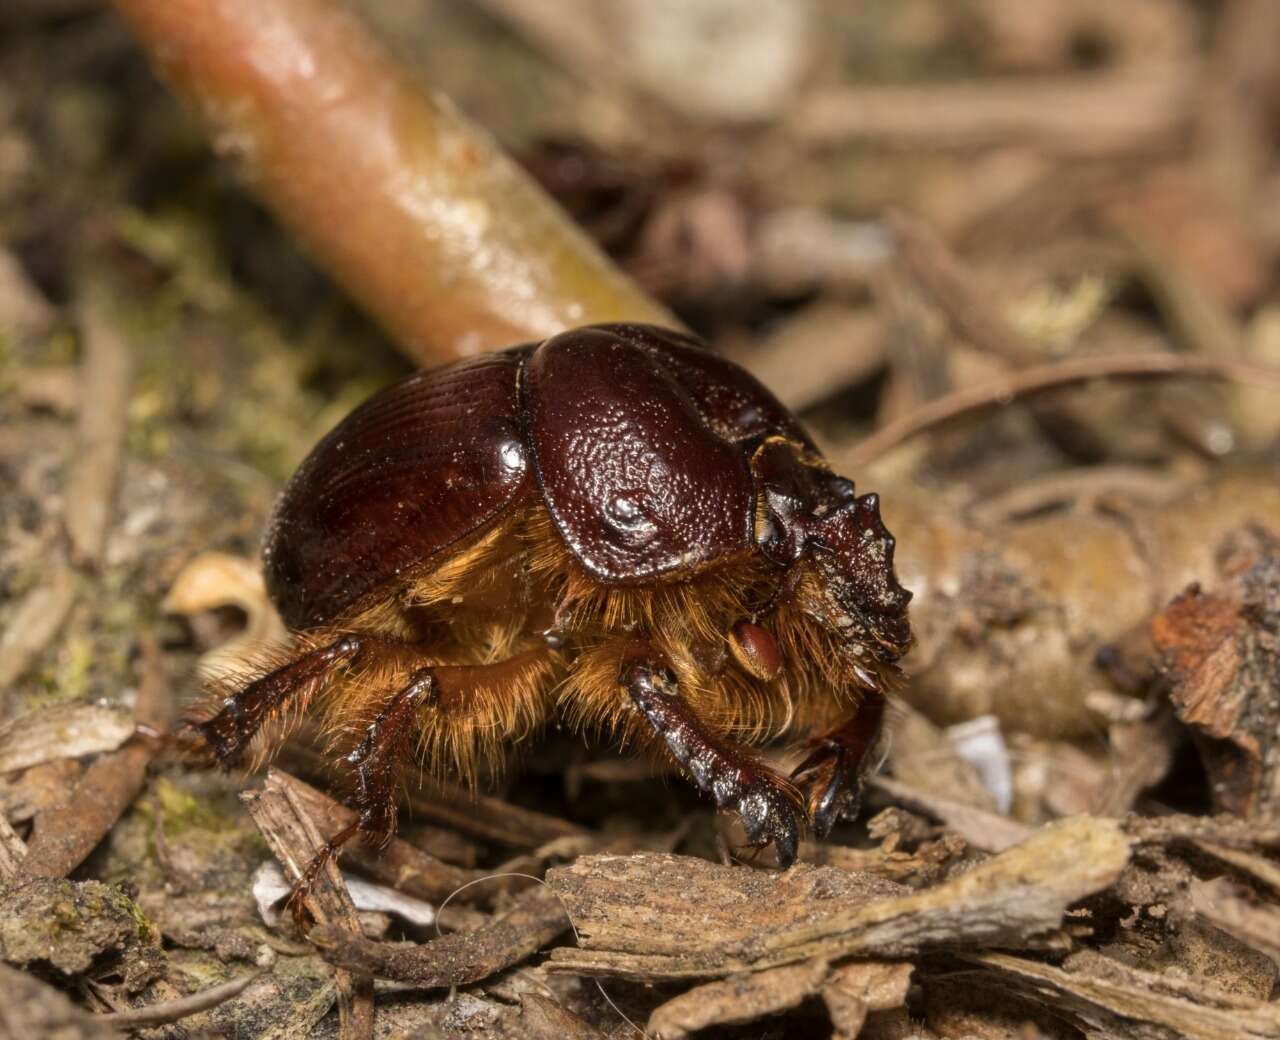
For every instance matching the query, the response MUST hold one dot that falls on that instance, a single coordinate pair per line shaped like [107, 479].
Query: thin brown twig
[173, 1010]
[535, 919]
[1078, 114]
[63, 835]
[1047, 377]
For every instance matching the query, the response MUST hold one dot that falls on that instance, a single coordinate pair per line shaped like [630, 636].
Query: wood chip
[35, 621]
[13, 850]
[399, 865]
[544, 1019]
[1220, 655]
[281, 816]
[982, 829]
[62, 731]
[480, 815]
[656, 917]
[1107, 998]
[854, 990]
[1230, 908]
[738, 999]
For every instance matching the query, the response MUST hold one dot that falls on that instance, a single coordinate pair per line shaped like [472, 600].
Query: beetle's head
[806, 512]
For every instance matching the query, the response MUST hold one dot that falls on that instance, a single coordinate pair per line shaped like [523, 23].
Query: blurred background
[879, 208]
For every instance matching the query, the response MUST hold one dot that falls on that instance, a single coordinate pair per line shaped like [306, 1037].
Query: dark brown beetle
[613, 527]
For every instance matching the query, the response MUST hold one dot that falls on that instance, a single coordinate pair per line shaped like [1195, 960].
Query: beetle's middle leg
[767, 805]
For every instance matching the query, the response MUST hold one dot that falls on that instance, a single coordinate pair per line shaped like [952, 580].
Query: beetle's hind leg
[375, 761]
[469, 708]
[241, 715]
[768, 805]
[839, 760]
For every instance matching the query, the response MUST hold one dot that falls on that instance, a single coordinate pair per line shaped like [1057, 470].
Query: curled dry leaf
[214, 579]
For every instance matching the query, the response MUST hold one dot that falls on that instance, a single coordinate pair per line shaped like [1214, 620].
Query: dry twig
[537, 918]
[285, 824]
[1047, 377]
[105, 378]
[64, 835]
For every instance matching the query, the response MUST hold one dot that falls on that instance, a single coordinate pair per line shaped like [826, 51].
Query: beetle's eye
[628, 519]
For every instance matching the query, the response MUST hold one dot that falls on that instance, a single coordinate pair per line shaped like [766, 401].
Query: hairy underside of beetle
[517, 633]
[456, 666]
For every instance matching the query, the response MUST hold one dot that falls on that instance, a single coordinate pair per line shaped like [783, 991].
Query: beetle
[613, 527]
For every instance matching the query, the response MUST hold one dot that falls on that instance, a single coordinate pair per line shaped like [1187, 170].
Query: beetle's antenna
[572, 927]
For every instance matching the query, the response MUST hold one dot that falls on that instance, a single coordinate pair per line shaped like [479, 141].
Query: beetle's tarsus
[768, 806]
[228, 733]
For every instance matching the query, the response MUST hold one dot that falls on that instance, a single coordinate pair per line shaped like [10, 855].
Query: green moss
[182, 812]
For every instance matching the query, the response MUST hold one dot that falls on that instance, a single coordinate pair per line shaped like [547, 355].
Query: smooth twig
[173, 1010]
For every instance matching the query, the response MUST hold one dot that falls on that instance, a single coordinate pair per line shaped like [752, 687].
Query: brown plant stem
[412, 209]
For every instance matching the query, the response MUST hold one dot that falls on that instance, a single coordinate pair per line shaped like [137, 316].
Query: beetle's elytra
[614, 528]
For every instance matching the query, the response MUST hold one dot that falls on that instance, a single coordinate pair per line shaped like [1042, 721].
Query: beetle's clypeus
[613, 527]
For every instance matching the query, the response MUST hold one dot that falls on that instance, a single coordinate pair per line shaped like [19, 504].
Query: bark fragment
[1220, 653]
[655, 917]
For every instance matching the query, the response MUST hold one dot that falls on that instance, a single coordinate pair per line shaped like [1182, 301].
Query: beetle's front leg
[834, 770]
[229, 731]
[768, 806]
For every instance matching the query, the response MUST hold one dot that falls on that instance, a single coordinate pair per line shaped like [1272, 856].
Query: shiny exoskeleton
[615, 528]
